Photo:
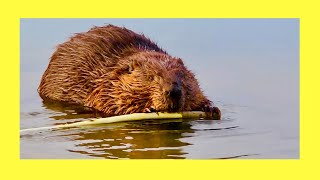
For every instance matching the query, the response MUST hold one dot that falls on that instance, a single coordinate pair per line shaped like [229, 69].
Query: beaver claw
[212, 112]
[149, 110]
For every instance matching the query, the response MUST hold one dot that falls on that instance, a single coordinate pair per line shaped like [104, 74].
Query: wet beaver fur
[116, 71]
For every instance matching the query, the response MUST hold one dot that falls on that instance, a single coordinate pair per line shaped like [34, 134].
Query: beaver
[116, 71]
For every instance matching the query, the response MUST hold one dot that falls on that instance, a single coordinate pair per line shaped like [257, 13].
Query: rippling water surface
[249, 67]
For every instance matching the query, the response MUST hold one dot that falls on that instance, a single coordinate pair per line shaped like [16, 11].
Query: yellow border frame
[13, 167]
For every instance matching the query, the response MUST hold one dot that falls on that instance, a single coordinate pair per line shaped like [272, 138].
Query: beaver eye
[130, 69]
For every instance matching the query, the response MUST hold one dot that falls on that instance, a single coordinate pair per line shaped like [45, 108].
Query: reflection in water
[134, 140]
[152, 140]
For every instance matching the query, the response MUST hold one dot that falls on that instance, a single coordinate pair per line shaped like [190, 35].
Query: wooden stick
[127, 117]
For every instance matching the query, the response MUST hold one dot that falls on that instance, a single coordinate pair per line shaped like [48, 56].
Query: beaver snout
[174, 95]
[175, 91]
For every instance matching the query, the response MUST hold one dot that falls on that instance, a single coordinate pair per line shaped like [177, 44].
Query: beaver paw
[212, 112]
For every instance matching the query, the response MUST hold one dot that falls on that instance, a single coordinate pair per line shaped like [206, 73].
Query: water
[248, 67]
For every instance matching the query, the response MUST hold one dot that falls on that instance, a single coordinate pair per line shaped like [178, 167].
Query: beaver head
[143, 82]
[161, 76]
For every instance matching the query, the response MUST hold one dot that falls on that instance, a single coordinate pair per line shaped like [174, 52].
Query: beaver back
[87, 56]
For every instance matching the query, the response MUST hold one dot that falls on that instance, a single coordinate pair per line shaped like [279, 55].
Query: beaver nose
[175, 91]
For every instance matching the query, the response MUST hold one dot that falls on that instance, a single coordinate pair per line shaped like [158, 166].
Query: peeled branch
[131, 117]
